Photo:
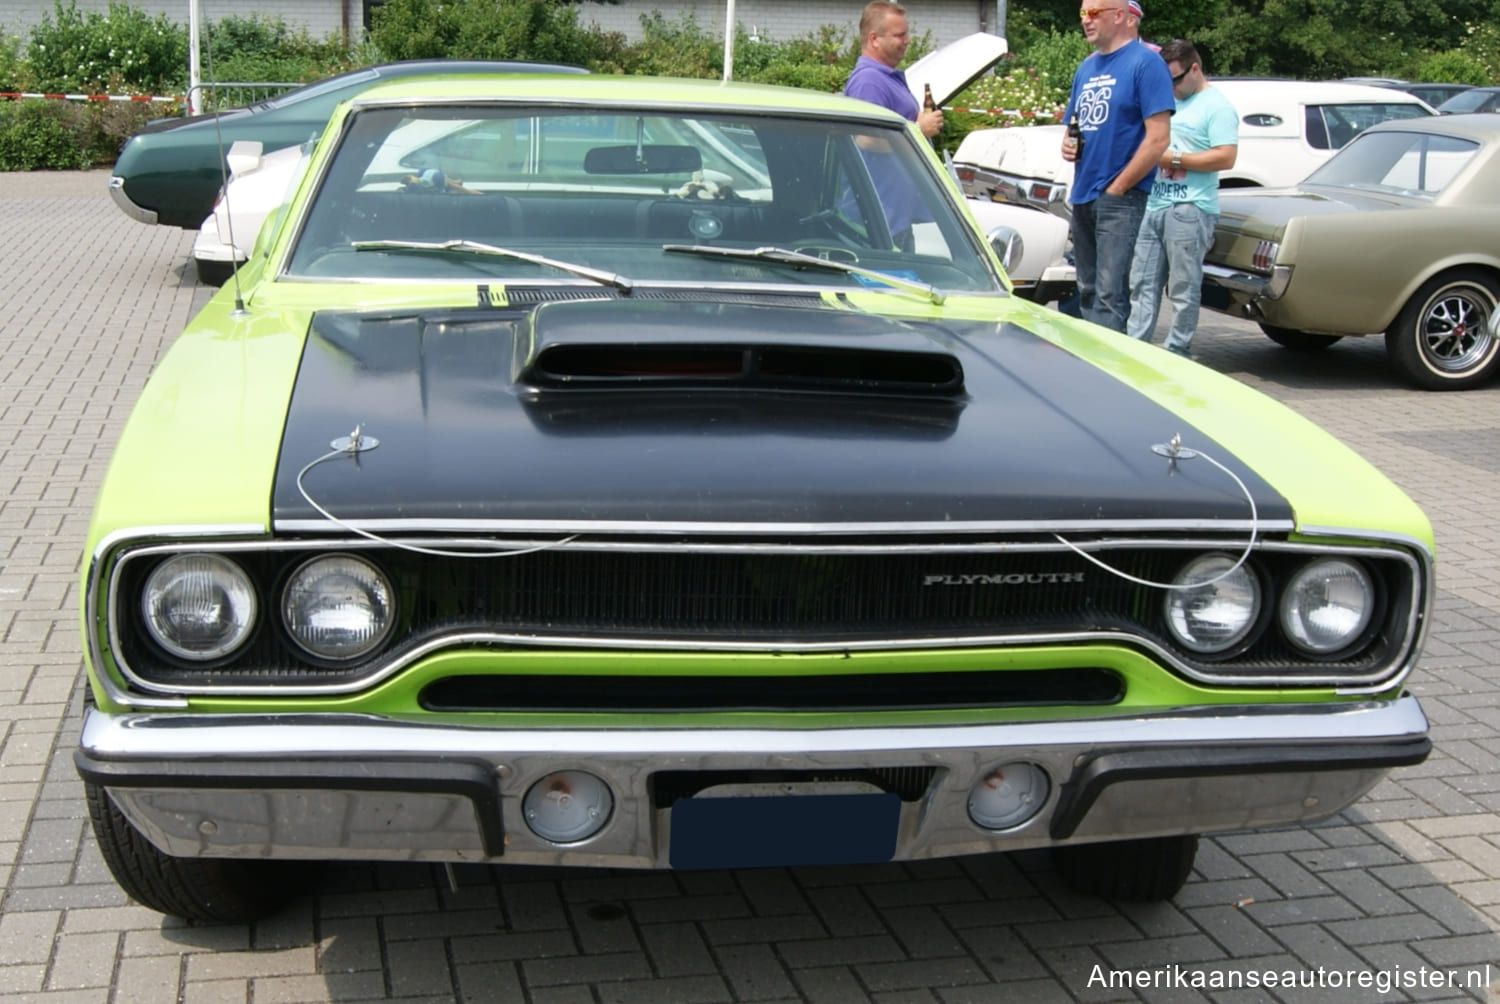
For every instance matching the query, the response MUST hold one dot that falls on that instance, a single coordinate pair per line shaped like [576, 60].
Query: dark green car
[171, 171]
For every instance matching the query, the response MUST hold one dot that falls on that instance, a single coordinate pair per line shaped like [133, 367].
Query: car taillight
[1041, 193]
[965, 173]
[1265, 254]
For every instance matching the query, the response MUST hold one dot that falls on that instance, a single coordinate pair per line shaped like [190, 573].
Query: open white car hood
[955, 66]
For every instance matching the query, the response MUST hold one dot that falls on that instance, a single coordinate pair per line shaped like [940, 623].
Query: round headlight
[1327, 605]
[1208, 610]
[338, 607]
[199, 606]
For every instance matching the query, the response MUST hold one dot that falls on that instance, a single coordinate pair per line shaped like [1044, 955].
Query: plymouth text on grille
[1005, 579]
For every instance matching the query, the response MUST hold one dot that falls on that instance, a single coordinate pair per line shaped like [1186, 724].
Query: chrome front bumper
[357, 786]
[130, 209]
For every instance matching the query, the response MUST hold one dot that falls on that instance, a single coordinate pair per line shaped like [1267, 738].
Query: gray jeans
[1169, 252]
[1104, 235]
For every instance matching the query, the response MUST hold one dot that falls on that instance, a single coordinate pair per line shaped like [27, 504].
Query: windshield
[1331, 127]
[608, 189]
[1408, 163]
[334, 86]
[1465, 101]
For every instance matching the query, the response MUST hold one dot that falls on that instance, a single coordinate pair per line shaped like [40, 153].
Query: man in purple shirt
[883, 40]
[884, 37]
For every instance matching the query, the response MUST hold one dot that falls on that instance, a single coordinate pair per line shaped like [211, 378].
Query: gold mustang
[1396, 234]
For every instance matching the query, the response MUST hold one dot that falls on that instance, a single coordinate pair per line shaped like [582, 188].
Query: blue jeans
[1170, 252]
[1104, 233]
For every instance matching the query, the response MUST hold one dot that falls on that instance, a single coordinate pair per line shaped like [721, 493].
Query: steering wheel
[831, 224]
[828, 252]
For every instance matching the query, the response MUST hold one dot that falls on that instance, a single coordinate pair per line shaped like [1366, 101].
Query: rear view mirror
[647, 159]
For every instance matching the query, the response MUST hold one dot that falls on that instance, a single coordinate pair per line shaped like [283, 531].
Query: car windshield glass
[606, 189]
[1331, 127]
[321, 87]
[1465, 101]
[1411, 163]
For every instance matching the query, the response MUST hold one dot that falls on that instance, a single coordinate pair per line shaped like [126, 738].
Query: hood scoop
[625, 345]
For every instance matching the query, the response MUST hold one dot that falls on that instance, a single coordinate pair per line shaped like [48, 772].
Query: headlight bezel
[272, 665]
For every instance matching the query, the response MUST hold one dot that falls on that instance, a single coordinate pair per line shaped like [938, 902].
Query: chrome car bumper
[1034, 193]
[360, 786]
[135, 212]
[1247, 286]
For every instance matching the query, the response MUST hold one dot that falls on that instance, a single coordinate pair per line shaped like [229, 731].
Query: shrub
[257, 48]
[1054, 57]
[1456, 66]
[41, 135]
[10, 62]
[70, 51]
[545, 30]
[819, 61]
[671, 49]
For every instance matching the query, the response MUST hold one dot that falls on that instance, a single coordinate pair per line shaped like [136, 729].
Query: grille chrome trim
[1384, 677]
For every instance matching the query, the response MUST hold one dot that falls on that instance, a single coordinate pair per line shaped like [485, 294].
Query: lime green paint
[200, 446]
[1149, 687]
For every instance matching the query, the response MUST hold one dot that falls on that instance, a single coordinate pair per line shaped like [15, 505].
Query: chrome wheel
[1443, 339]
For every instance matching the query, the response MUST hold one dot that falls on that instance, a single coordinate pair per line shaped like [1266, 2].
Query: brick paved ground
[1408, 878]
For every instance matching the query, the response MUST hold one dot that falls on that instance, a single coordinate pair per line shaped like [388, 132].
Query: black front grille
[851, 692]
[754, 598]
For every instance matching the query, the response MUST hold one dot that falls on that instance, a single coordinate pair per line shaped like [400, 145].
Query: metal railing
[232, 94]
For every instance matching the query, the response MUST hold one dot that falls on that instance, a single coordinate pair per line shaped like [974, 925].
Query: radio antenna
[234, 275]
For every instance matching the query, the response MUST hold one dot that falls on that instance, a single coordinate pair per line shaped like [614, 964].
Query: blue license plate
[784, 830]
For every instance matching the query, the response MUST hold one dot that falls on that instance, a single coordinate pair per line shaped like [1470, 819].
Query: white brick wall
[946, 20]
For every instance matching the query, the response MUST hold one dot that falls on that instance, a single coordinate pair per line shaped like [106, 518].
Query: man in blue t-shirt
[1122, 102]
[883, 39]
[1184, 203]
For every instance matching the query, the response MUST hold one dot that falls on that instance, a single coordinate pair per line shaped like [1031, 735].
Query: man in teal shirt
[1183, 207]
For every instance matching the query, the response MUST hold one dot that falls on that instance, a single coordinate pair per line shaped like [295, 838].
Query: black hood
[667, 412]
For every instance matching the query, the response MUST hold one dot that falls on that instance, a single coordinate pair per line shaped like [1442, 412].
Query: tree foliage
[543, 30]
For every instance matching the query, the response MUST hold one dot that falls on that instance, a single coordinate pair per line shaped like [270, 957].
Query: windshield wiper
[475, 247]
[800, 260]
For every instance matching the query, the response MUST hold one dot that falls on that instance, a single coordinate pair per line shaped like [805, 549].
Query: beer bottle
[929, 105]
[1075, 136]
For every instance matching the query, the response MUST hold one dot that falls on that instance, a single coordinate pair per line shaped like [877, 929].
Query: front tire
[215, 890]
[1441, 340]
[1298, 341]
[1151, 869]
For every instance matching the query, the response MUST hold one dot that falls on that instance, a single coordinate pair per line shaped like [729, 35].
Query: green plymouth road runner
[662, 474]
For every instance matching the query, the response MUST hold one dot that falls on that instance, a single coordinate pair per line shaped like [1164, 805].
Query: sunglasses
[1090, 13]
[1178, 79]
